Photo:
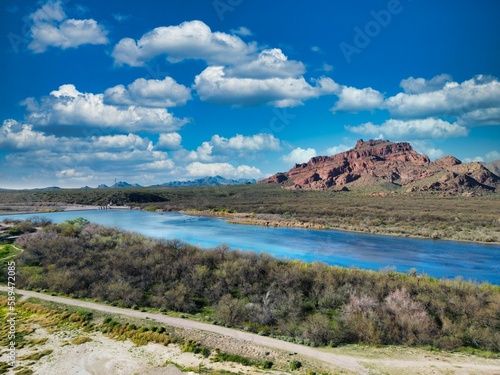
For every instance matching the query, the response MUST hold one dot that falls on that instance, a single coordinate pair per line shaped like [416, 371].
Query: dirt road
[336, 360]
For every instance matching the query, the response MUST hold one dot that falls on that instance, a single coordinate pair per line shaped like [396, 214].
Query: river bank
[279, 221]
[53, 207]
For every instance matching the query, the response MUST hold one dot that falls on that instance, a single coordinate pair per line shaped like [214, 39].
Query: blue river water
[441, 259]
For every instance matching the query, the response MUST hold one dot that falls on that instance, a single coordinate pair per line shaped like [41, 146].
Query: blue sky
[154, 91]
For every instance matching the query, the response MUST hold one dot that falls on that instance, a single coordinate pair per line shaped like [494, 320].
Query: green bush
[227, 357]
[267, 364]
[295, 365]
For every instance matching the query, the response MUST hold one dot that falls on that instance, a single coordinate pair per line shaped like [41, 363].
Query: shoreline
[61, 208]
[241, 218]
[246, 219]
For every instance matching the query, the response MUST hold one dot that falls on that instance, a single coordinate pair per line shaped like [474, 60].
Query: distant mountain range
[206, 181]
[377, 165]
[209, 181]
[119, 184]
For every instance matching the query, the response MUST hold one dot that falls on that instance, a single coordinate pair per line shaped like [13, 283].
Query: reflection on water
[435, 258]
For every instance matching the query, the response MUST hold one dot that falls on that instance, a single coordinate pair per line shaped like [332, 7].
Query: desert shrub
[295, 365]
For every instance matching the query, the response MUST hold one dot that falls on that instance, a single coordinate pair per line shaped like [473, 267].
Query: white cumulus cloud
[243, 146]
[269, 63]
[480, 117]
[197, 169]
[352, 99]
[256, 142]
[189, 40]
[426, 148]
[149, 93]
[212, 85]
[169, 141]
[51, 28]
[410, 129]
[421, 85]
[337, 149]
[299, 155]
[453, 99]
[17, 136]
[68, 106]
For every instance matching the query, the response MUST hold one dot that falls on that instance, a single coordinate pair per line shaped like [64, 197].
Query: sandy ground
[105, 356]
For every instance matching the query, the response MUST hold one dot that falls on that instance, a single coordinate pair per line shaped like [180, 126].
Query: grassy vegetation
[311, 304]
[35, 356]
[7, 251]
[423, 215]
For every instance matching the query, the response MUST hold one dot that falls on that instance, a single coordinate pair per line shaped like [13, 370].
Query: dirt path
[336, 360]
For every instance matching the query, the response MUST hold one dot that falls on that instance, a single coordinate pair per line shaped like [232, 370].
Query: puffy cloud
[166, 164]
[68, 106]
[213, 86]
[51, 28]
[197, 169]
[169, 141]
[421, 85]
[299, 155]
[424, 147]
[352, 99]
[490, 156]
[81, 174]
[474, 102]
[337, 149]
[257, 142]
[411, 129]
[453, 99]
[480, 117]
[120, 141]
[269, 63]
[242, 145]
[189, 40]
[21, 137]
[203, 153]
[17, 136]
[476, 158]
[238, 74]
[149, 93]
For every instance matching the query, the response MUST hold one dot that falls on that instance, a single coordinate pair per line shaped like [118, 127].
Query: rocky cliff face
[376, 165]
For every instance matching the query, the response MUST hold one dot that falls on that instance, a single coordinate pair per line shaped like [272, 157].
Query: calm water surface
[443, 259]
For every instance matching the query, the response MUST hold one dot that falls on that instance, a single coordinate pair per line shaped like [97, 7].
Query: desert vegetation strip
[425, 215]
[332, 359]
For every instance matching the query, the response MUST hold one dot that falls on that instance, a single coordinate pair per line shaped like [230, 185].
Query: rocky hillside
[382, 165]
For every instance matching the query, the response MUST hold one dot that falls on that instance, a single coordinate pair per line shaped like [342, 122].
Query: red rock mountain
[384, 165]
